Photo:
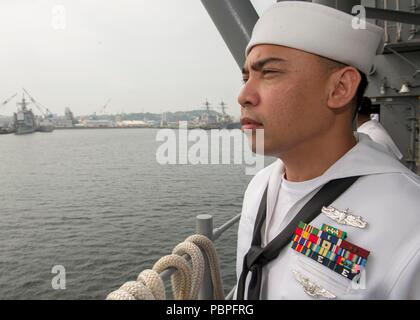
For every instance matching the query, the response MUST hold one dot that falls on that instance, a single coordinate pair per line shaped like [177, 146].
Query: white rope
[120, 295]
[152, 280]
[207, 246]
[138, 290]
[182, 288]
[186, 281]
[197, 262]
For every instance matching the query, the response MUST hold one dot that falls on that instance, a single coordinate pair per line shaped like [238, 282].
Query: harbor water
[97, 203]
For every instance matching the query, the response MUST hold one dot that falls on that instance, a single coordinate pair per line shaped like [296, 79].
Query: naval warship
[24, 118]
[215, 120]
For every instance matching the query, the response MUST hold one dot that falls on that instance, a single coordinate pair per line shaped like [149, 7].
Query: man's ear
[342, 87]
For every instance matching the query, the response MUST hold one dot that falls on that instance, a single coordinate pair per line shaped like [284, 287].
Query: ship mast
[223, 107]
[23, 104]
[207, 104]
[206, 115]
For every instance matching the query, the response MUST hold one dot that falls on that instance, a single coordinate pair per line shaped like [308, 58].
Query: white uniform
[387, 196]
[378, 134]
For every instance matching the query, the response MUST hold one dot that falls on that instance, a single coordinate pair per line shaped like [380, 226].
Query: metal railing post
[204, 226]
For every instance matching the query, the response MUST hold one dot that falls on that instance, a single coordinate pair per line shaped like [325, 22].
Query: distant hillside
[170, 116]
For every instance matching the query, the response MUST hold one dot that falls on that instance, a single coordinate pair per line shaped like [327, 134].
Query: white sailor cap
[320, 30]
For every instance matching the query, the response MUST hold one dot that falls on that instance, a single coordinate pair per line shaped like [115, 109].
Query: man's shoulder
[391, 198]
[392, 192]
[405, 182]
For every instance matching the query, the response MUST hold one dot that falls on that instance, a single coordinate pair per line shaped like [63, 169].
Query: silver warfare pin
[344, 217]
[311, 288]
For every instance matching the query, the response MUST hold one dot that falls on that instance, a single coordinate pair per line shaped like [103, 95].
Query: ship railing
[204, 226]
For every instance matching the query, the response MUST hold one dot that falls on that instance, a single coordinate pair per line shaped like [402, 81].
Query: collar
[365, 158]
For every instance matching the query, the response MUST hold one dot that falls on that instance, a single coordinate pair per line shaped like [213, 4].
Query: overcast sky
[145, 55]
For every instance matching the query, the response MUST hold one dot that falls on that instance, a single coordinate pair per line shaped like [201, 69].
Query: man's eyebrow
[258, 65]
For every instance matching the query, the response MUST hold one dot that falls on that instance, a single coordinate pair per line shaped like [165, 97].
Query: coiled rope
[197, 262]
[186, 281]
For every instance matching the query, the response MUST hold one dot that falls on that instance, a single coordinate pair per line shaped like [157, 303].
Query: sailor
[374, 129]
[335, 216]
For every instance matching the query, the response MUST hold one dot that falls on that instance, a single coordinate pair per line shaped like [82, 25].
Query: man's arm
[407, 285]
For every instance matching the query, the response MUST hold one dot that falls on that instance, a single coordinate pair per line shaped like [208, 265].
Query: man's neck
[312, 159]
[361, 119]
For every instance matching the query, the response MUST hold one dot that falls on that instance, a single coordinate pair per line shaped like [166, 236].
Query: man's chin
[260, 150]
[256, 140]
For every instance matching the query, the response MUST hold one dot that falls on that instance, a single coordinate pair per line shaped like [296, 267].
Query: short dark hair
[361, 90]
[360, 94]
[366, 107]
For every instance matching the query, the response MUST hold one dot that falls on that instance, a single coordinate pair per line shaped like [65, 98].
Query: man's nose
[248, 97]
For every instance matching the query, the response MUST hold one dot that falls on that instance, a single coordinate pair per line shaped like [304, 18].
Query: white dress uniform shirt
[387, 197]
[378, 134]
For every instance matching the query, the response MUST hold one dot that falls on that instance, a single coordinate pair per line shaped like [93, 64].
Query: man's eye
[244, 80]
[264, 72]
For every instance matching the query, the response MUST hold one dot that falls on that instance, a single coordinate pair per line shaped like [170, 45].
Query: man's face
[285, 94]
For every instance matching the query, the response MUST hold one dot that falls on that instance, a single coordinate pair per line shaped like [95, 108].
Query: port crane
[101, 111]
[104, 107]
[44, 111]
[7, 100]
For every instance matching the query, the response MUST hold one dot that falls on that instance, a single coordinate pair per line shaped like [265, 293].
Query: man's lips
[249, 124]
